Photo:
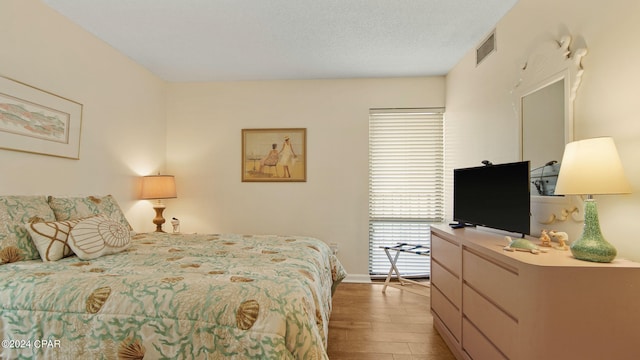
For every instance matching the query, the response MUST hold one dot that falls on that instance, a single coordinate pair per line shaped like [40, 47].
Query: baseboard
[357, 278]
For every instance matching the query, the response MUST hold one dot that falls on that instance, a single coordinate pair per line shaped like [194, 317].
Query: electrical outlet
[334, 248]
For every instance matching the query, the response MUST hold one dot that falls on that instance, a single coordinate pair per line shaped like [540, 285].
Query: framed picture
[37, 121]
[274, 155]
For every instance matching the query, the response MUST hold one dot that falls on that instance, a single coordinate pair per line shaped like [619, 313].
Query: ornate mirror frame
[552, 61]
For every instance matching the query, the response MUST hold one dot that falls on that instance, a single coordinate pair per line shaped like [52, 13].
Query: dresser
[488, 303]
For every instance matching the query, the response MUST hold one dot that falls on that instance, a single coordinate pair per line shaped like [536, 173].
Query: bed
[161, 295]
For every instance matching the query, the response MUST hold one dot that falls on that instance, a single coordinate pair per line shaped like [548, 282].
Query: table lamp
[158, 187]
[592, 167]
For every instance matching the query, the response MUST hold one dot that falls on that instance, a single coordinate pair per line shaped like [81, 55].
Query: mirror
[543, 123]
[543, 99]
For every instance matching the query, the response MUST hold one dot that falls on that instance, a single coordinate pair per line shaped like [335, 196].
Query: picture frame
[274, 155]
[37, 121]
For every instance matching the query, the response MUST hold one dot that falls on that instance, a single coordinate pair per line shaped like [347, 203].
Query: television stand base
[460, 225]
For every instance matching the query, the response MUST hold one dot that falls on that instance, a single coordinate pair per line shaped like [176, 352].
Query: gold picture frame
[37, 121]
[274, 155]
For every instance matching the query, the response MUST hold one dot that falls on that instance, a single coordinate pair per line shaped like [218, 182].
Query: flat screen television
[495, 196]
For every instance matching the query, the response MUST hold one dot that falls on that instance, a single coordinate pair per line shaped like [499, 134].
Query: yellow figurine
[562, 239]
[545, 239]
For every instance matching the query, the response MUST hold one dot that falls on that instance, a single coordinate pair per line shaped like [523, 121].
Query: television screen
[495, 196]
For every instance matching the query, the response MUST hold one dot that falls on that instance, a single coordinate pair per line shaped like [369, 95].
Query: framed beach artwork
[37, 121]
[271, 155]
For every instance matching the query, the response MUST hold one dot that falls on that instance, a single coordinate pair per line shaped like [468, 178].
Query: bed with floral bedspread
[171, 296]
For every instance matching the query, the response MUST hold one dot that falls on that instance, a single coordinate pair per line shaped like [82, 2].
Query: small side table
[400, 248]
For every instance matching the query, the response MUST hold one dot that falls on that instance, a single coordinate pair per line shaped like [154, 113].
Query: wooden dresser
[492, 304]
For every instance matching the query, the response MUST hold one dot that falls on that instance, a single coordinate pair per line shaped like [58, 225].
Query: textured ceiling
[218, 40]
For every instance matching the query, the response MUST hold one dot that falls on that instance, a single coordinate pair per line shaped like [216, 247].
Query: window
[406, 184]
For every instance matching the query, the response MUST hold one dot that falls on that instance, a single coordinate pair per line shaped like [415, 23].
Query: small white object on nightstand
[176, 225]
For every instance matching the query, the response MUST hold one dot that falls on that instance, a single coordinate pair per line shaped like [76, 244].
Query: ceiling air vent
[487, 47]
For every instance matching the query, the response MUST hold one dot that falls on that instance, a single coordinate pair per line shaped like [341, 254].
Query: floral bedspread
[174, 297]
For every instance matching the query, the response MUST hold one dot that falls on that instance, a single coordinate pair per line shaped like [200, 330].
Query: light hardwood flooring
[397, 325]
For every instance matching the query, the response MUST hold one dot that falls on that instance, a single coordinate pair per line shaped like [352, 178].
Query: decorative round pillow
[98, 235]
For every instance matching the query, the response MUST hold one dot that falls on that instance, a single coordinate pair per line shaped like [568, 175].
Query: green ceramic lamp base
[591, 246]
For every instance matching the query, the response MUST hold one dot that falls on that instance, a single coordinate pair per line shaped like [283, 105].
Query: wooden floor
[397, 325]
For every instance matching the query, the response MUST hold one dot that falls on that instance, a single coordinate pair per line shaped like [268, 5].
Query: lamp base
[591, 246]
[159, 220]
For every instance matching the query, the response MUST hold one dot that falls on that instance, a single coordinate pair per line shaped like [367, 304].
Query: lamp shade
[158, 187]
[591, 167]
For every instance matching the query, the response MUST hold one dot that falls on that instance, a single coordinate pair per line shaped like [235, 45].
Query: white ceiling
[217, 40]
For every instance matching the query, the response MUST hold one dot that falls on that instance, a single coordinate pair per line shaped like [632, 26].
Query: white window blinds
[406, 184]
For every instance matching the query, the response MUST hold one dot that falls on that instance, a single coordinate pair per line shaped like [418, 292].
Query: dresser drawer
[449, 284]
[498, 327]
[447, 312]
[447, 254]
[495, 281]
[477, 346]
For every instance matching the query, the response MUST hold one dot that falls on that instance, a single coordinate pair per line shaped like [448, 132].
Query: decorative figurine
[545, 239]
[562, 239]
[176, 225]
[522, 245]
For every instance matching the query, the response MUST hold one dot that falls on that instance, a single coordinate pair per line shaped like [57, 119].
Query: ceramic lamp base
[591, 246]
[159, 220]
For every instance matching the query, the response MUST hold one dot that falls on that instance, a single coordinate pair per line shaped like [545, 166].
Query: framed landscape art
[37, 121]
[270, 155]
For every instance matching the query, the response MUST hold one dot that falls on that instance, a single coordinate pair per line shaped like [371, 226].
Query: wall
[124, 135]
[204, 122]
[479, 101]
[123, 130]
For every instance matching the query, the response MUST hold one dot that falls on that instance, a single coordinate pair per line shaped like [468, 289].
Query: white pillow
[51, 238]
[93, 237]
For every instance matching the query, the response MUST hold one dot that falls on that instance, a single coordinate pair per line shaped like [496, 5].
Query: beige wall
[123, 128]
[204, 122]
[479, 102]
[133, 122]
[125, 133]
